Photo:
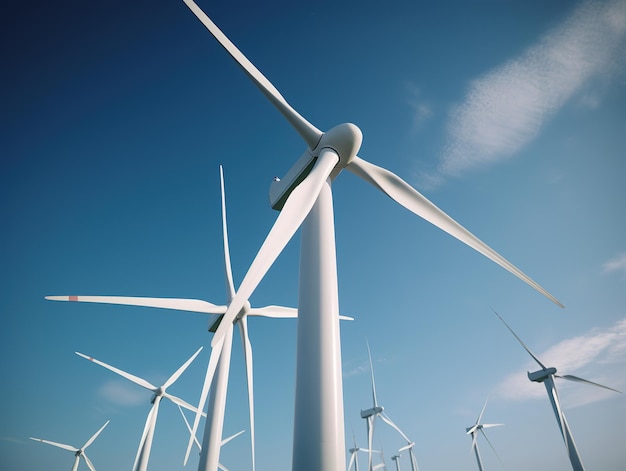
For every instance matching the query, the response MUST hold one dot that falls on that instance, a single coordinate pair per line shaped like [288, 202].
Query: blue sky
[510, 116]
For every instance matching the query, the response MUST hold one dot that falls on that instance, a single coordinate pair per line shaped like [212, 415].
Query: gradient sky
[509, 115]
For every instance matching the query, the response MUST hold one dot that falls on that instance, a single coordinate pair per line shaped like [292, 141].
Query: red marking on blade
[73, 298]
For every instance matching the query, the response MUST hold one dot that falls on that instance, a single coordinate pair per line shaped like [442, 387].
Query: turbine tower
[379, 411]
[304, 198]
[546, 376]
[159, 392]
[473, 432]
[78, 452]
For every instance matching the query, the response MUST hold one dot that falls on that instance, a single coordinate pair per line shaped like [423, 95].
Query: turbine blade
[230, 285]
[558, 411]
[59, 445]
[172, 379]
[404, 194]
[386, 419]
[179, 402]
[226, 440]
[88, 461]
[276, 312]
[352, 458]
[222, 467]
[369, 354]
[489, 442]
[482, 411]
[247, 353]
[216, 352]
[491, 425]
[581, 380]
[95, 435]
[135, 379]
[189, 305]
[519, 339]
[195, 439]
[307, 131]
[406, 447]
[294, 212]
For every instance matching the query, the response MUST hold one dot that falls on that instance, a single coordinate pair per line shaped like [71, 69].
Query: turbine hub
[345, 139]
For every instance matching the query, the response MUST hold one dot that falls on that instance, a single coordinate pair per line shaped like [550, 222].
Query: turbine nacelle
[345, 139]
[541, 375]
[373, 411]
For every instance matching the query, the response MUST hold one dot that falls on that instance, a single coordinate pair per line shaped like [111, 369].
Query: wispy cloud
[505, 109]
[123, 393]
[598, 356]
[617, 264]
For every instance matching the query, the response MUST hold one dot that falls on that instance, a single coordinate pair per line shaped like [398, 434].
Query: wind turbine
[546, 376]
[473, 432]
[216, 378]
[354, 459]
[159, 392]
[396, 459]
[379, 411]
[304, 198]
[78, 452]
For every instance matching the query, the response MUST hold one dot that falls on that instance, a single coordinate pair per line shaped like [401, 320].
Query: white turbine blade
[95, 435]
[216, 352]
[482, 411]
[150, 422]
[230, 285]
[222, 467]
[276, 312]
[195, 439]
[404, 194]
[178, 401]
[474, 443]
[369, 354]
[406, 447]
[135, 379]
[519, 340]
[88, 461]
[491, 425]
[59, 445]
[172, 379]
[294, 212]
[307, 131]
[581, 380]
[247, 353]
[189, 305]
[489, 442]
[386, 419]
[352, 458]
[226, 440]
[558, 411]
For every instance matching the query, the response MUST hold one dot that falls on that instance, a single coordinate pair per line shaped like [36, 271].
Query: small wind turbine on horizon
[354, 459]
[396, 459]
[473, 431]
[78, 452]
[379, 411]
[304, 198]
[546, 376]
[159, 392]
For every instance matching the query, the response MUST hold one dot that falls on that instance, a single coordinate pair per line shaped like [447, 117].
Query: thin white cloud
[617, 264]
[123, 393]
[598, 356]
[506, 108]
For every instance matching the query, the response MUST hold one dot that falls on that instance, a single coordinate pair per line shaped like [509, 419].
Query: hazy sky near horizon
[510, 116]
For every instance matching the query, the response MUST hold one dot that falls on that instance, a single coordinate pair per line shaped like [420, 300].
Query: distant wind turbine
[546, 376]
[473, 432]
[78, 452]
[304, 198]
[396, 459]
[379, 411]
[159, 392]
[354, 459]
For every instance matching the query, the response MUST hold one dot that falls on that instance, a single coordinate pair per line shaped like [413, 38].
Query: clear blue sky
[511, 116]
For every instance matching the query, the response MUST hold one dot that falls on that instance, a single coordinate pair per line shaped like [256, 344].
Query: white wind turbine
[379, 411]
[78, 452]
[304, 198]
[396, 459]
[216, 379]
[546, 376]
[354, 459]
[159, 392]
[473, 431]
